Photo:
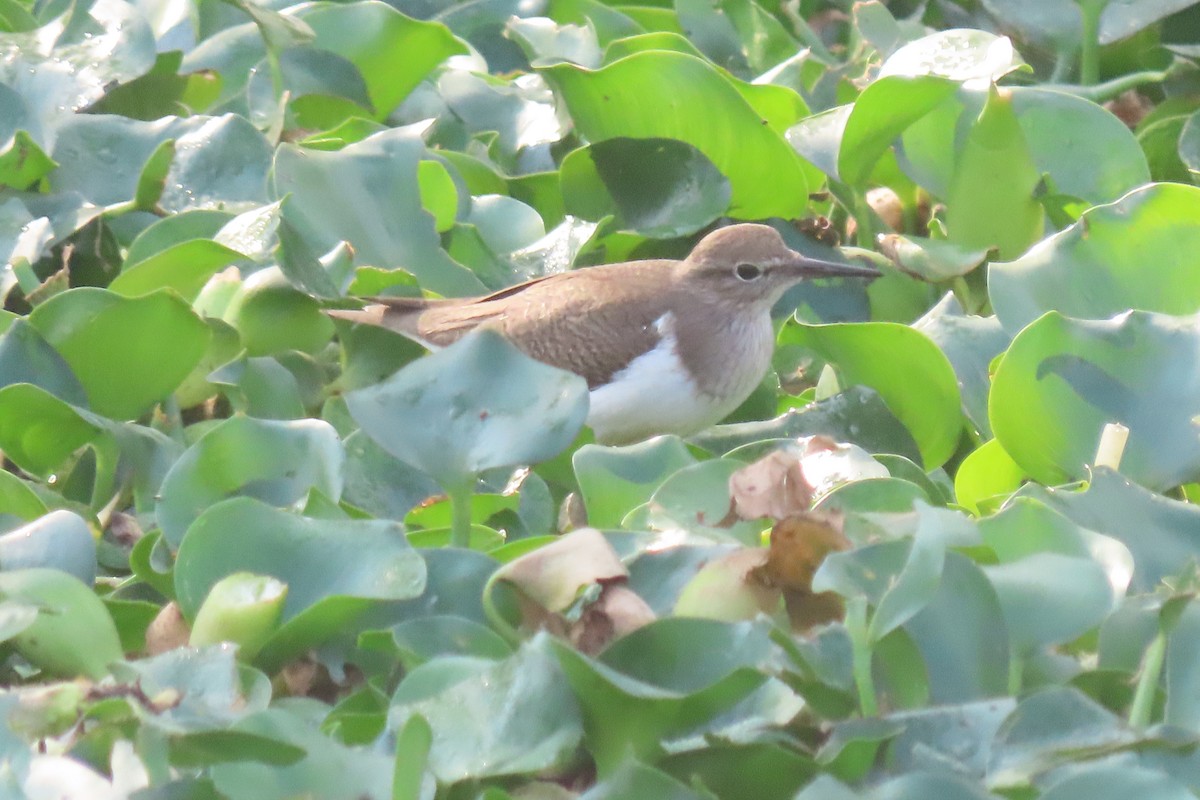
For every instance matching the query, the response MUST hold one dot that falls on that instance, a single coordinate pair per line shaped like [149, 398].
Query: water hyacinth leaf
[1161, 533]
[857, 415]
[329, 586]
[1127, 254]
[272, 316]
[959, 55]
[1046, 730]
[1052, 121]
[631, 714]
[60, 539]
[380, 483]
[24, 162]
[329, 769]
[995, 154]
[185, 268]
[546, 41]
[38, 432]
[73, 635]
[778, 771]
[394, 230]
[988, 472]
[1076, 588]
[971, 343]
[127, 352]
[242, 608]
[848, 141]
[655, 187]
[277, 462]
[709, 112]
[1060, 21]
[478, 404]
[1062, 380]
[18, 501]
[1113, 782]
[880, 114]
[635, 779]
[908, 370]
[393, 52]
[72, 60]
[615, 480]
[1183, 690]
[515, 716]
[26, 357]
[196, 223]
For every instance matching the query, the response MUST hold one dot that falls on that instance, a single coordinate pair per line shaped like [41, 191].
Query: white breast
[654, 394]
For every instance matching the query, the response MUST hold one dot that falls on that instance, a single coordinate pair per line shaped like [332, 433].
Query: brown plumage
[711, 313]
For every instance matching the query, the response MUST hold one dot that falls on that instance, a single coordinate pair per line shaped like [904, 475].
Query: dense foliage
[249, 552]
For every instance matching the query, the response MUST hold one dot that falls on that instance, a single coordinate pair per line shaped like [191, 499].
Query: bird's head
[750, 264]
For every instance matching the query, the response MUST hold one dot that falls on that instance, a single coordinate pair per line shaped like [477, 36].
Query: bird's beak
[815, 268]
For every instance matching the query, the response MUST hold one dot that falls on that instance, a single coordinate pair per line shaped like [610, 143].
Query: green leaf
[513, 717]
[205, 748]
[1159, 532]
[1062, 380]
[478, 404]
[615, 480]
[655, 187]
[128, 353]
[634, 779]
[23, 163]
[277, 462]
[60, 539]
[393, 52]
[1004, 216]
[392, 230]
[652, 685]
[328, 769]
[25, 357]
[661, 94]
[73, 635]
[39, 432]
[912, 375]
[329, 584]
[153, 177]
[185, 268]
[1118, 256]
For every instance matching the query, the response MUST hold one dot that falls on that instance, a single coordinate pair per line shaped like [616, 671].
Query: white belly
[656, 395]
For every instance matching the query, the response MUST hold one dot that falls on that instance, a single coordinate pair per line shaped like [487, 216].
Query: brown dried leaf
[774, 486]
[553, 576]
[798, 546]
[618, 611]
[807, 610]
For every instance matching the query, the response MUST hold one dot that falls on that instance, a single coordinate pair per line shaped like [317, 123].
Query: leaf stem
[1089, 46]
[864, 682]
[460, 515]
[1147, 686]
[1016, 670]
[499, 623]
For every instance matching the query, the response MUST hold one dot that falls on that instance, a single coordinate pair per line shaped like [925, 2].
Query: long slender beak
[816, 268]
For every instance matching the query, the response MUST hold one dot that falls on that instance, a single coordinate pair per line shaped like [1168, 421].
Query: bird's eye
[747, 272]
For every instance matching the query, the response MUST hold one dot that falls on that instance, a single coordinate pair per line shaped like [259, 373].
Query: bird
[666, 346]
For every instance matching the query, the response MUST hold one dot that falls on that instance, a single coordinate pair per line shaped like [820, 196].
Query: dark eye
[747, 272]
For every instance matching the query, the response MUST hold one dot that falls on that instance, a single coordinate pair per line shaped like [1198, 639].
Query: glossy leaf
[277, 462]
[911, 374]
[478, 404]
[1118, 256]
[1063, 380]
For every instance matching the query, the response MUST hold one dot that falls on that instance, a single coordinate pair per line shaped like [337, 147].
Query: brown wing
[592, 321]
